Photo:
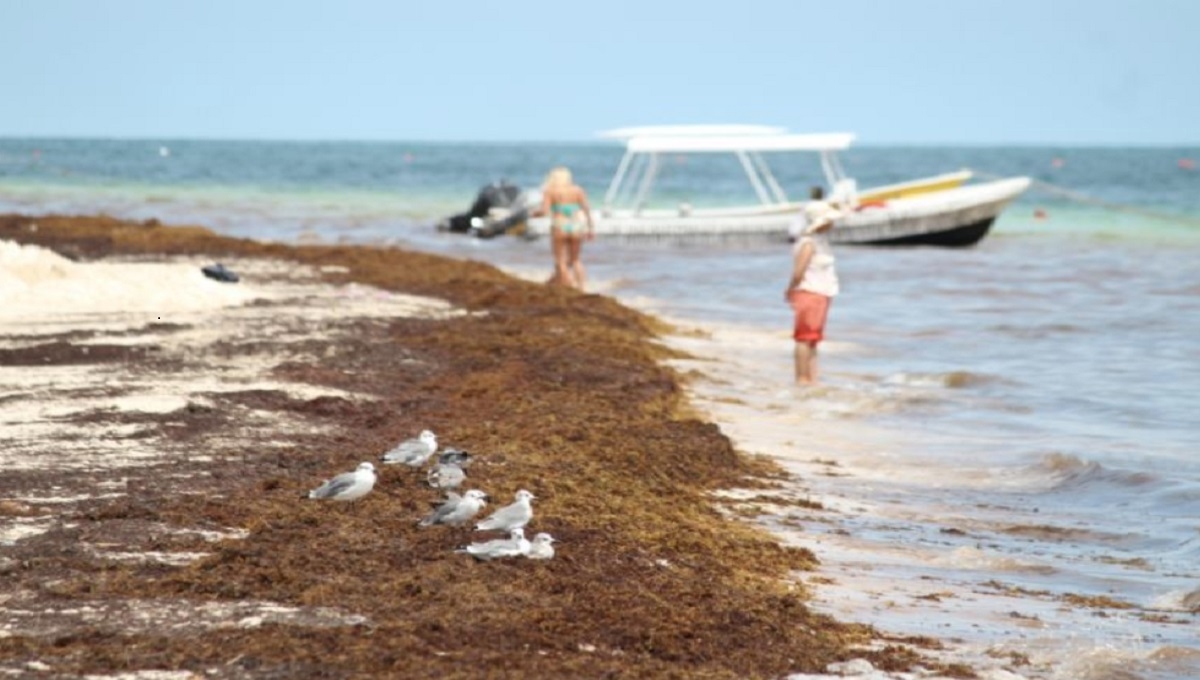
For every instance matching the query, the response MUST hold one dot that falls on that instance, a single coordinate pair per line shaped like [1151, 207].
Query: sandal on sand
[220, 273]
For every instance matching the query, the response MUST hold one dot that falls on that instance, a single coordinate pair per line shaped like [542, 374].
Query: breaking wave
[949, 380]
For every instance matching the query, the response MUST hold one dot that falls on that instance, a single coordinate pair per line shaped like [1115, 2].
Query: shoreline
[562, 393]
[899, 565]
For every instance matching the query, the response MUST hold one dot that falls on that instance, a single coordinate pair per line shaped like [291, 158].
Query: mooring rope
[1092, 200]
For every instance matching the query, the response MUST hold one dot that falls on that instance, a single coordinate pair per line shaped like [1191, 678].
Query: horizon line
[570, 142]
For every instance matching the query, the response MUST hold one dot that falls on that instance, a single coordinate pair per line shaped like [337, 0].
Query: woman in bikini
[570, 225]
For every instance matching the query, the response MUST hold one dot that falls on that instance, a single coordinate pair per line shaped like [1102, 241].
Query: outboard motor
[498, 207]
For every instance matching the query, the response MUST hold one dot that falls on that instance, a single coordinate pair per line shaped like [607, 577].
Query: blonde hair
[559, 177]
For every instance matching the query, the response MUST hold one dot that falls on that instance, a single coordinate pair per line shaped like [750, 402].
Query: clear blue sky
[911, 71]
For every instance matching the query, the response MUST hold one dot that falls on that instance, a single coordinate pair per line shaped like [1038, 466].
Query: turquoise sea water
[1045, 379]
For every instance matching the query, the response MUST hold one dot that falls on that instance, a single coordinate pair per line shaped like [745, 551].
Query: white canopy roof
[690, 131]
[723, 138]
[833, 141]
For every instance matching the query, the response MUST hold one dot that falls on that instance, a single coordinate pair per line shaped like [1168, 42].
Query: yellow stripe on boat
[917, 186]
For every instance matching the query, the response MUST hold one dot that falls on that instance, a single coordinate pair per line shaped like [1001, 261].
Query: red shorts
[811, 310]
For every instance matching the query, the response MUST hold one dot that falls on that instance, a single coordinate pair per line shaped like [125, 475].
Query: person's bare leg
[805, 363]
[562, 274]
[554, 254]
[574, 253]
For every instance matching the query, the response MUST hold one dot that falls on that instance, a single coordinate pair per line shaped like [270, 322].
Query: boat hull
[954, 217]
[957, 217]
[957, 237]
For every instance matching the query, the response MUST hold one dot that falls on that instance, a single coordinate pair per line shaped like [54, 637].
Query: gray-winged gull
[348, 486]
[457, 509]
[413, 452]
[541, 547]
[512, 516]
[513, 546]
[445, 476]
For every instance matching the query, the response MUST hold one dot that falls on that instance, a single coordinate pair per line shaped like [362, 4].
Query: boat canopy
[690, 131]
[747, 142]
[733, 143]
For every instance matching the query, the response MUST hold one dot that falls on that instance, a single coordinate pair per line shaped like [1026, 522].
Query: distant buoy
[1039, 214]
[408, 158]
[164, 151]
[1187, 164]
[1057, 163]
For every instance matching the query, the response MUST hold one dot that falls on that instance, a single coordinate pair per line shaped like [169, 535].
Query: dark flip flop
[218, 272]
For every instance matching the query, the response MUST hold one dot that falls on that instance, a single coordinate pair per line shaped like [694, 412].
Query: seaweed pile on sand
[556, 392]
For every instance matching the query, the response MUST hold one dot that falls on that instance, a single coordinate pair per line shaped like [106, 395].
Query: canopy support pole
[832, 168]
[614, 187]
[633, 177]
[765, 171]
[837, 165]
[754, 180]
[647, 181]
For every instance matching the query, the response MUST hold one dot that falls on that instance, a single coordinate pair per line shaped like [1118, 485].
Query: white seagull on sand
[413, 452]
[445, 476]
[513, 546]
[457, 509]
[512, 516]
[348, 486]
[541, 548]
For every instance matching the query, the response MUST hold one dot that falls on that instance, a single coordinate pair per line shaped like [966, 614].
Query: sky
[920, 72]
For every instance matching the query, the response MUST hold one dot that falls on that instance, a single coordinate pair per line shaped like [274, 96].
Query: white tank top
[820, 276]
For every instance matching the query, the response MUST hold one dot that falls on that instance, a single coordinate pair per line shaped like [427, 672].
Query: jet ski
[499, 208]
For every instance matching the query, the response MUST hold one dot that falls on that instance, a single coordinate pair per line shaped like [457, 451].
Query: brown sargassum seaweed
[560, 393]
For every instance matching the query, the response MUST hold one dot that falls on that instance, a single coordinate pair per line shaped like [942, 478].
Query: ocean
[1005, 439]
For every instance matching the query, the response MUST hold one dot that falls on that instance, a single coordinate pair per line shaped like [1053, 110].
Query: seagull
[413, 451]
[445, 476]
[512, 516]
[514, 545]
[457, 457]
[457, 509]
[348, 486]
[541, 548]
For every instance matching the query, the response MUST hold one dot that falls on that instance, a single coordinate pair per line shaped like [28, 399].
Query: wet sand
[151, 513]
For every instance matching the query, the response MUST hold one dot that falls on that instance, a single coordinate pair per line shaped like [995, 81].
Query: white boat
[940, 210]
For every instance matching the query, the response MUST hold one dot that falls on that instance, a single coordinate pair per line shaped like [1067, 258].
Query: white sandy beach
[144, 304]
[168, 305]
